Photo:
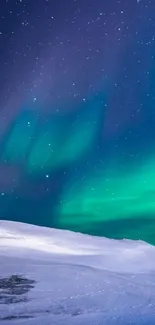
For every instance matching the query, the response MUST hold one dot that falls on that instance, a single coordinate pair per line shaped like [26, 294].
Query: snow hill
[58, 277]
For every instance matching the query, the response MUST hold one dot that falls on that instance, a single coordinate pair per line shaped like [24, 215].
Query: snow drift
[58, 277]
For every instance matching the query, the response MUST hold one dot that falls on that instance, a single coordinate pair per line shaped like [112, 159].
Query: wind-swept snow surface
[58, 277]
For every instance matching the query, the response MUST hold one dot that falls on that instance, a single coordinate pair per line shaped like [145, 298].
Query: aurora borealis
[77, 119]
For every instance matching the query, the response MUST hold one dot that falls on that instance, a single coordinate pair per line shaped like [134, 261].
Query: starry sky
[77, 115]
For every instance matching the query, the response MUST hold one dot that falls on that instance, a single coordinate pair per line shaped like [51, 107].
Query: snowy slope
[66, 278]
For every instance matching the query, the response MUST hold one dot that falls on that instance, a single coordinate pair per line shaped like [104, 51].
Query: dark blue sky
[77, 95]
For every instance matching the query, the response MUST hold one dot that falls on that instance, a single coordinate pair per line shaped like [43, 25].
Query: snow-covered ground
[66, 278]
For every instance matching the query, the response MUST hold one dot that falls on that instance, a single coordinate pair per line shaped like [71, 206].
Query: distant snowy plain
[57, 277]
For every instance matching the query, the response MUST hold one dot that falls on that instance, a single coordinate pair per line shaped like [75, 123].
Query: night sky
[77, 115]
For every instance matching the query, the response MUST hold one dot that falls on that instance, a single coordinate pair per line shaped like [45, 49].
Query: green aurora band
[110, 196]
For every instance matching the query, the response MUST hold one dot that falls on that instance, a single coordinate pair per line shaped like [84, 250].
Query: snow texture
[58, 277]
